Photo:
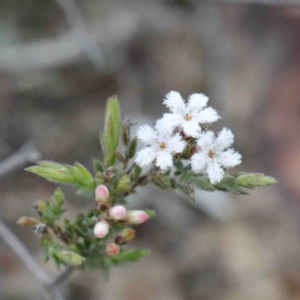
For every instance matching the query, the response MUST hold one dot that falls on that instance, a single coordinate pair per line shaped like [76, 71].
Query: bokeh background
[59, 64]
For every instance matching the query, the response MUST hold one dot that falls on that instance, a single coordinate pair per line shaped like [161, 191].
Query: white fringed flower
[161, 144]
[188, 116]
[212, 155]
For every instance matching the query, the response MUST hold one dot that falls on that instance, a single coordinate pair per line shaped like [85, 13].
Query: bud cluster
[115, 214]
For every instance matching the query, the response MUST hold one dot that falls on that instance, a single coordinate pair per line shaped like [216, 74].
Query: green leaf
[187, 191]
[252, 180]
[54, 207]
[123, 184]
[179, 165]
[70, 258]
[202, 183]
[136, 173]
[49, 246]
[228, 184]
[187, 177]
[110, 137]
[81, 176]
[129, 256]
[87, 193]
[84, 172]
[50, 164]
[98, 167]
[150, 212]
[196, 180]
[132, 147]
[53, 174]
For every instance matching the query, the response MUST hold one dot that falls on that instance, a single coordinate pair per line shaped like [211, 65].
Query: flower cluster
[184, 131]
[112, 215]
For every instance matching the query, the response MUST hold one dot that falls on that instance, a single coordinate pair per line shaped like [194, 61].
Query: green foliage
[53, 209]
[252, 180]
[77, 175]
[52, 172]
[110, 137]
[151, 213]
[132, 148]
[187, 191]
[129, 256]
[70, 258]
[72, 242]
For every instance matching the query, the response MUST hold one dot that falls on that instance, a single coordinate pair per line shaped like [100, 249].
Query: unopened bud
[102, 194]
[101, 229]
[119, 239]
[24, 221]
[117, 212]
[128, 234]
[137, 217]
[112, 249]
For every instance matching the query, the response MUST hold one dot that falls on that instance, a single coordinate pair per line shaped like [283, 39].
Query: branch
[20, 250]
[78, 25]
[265, 2]
[64, 50]
[26, 154]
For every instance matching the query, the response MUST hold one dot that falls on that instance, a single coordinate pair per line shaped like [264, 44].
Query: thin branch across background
[79, 28]
[29, 154]
[265, 2]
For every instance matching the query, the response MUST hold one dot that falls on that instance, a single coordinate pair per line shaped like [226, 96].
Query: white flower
[212, 155]
[161, 144]
[188, 116]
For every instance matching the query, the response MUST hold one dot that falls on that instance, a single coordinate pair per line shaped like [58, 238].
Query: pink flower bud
[117, 212]
[101, 229]
[137, 217]
[112, 249]
[102, 194]
[128, 234]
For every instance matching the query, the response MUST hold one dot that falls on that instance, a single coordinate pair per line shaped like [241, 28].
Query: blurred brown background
[58, 67]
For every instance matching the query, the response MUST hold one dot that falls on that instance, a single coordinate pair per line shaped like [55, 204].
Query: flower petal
[214, 171]
[206, 140]
[229, 158]
[207, 115]
[197, 102]
[168, 122]
[191, 128]
[145, 156]
[164, 160]
[174, 102]
[224, 139]
[146, 134]
[198, 162]
[176, 144]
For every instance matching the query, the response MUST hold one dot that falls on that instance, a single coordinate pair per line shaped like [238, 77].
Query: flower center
[211, 154]
[162, 146]
[188, 117]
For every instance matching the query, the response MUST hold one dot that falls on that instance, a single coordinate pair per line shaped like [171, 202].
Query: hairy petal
[199, 162]
[174, 102]
[146, 134]
[191, 128]
[214, 171]
[164, 160]
[208, 115]
[230, 158]
[225, 139]
[206, 140]
[145, 156]
[176, 144]
[197, 102]
[166, 125]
